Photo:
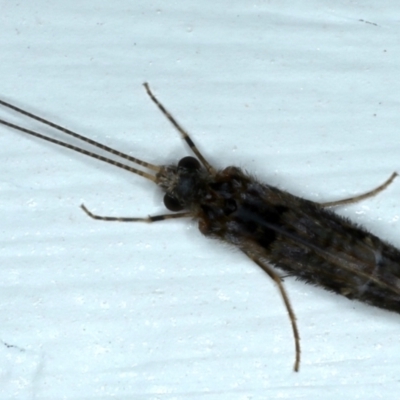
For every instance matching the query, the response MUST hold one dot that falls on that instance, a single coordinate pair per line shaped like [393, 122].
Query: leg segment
[276, 278]
[154, 218]
[184, 134]
[364, 196]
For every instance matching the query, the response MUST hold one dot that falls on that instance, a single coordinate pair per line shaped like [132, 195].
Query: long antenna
[101, 146]
[78, 136]
[80, 150]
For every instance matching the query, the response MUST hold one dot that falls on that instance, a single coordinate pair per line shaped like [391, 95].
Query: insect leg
[184, 134]
[277, 279]
[153, 218]
[363, 196]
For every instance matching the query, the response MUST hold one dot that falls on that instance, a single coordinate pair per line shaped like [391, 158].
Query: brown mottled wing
[320, 247]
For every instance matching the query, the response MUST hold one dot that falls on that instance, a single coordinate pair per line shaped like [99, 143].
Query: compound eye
[229, 206]
[189, 163]
[172, 203]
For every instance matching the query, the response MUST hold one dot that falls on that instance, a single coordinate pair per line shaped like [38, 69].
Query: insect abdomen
[303, 239]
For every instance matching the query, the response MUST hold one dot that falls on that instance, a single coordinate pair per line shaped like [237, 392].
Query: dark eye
[229, 206]
[172, 203]
[190, 163]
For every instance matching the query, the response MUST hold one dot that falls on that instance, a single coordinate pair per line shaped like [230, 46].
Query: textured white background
[304, 95]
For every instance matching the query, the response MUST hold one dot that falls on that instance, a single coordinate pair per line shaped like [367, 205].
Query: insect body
[272, 227]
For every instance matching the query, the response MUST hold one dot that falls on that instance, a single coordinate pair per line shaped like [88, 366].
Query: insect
[272, 227]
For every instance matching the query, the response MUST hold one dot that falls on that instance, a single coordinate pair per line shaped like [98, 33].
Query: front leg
[154, 218]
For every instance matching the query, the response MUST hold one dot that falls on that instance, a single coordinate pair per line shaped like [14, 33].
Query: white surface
[304, 95]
